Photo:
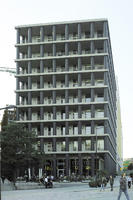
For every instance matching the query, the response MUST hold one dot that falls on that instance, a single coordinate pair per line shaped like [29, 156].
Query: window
[87, 145]
[63, 146]
[99, 129]
[100, 144]
[88, 130]
[75, 146]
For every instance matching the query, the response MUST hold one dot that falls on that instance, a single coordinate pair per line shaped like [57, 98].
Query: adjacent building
[66, 93]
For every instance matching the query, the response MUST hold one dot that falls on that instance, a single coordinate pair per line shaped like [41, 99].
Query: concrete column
[42, 133]
[67, 112]
[17, 84]
[41, 113]
[105, 94]
[79, 64]
[67, 164]
[67, 143]
[17, 52]
[29, 82]
[41, 66]
[42, 34]
[79, 79]
[92, 47]
[66, 32]
[41, 82]
[106, 78]
[29, 113]
[17, 99]
[92, 63]
[105, 29]
[54, 128]
[29, 52]
[79, 48]
[54, 81]
[54, 32]
[80, 164]
[79, 128]
[29, 67]
[92, 78]
[79, 111]
[106, 110]
[67, 128]
[54, 144]
[17, 68]
[54, 65]
[92, 164]
[66, 96]
[54, 112]
[41, 50]
[106, 64]
[105, 46]
[79, 144]
[66, 80]
[79, 31]
[92, 29]
[66, 65]
[18, 36]
[106, 127]
[54, 49]
[17, 111]
[92, 111]
[41, 98]
[92, 127]
[54, 96]
[29, 35]
[66, 49]
[79, 95]
[92, 94]
[29, 98]
[54, 166]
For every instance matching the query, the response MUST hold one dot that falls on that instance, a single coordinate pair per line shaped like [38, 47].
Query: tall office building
[66, 93]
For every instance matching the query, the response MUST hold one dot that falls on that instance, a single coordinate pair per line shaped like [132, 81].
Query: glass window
[100, 144]
[88, 130]
[87, 145]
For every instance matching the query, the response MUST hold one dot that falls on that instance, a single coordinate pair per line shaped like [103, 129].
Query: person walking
[129, 180]
[102, 183]
[123, 187]
[111, 180]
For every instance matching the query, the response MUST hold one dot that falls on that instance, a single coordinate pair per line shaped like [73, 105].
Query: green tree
[17, 146]
[4, 121]
[130, 167]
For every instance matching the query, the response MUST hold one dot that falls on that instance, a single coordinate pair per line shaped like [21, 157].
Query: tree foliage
[4, 121]
[17, 146]
[130, 167]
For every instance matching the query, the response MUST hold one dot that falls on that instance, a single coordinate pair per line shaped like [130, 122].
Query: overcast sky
[119, 14]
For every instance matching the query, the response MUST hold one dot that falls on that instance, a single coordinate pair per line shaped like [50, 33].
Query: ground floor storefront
[61, 165]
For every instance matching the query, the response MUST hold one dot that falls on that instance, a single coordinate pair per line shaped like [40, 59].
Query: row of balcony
[36, 70]
[59, 100]
[73, 130]
[60, 37]
[62, 116]
[74, 146]
[61, 53]
[61, 84]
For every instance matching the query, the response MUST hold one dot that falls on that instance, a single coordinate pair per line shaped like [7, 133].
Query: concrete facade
[66, 93]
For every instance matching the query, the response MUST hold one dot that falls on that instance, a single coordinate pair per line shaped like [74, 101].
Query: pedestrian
[111, 180]
[129, 180]
[123, 187]
[102, 183]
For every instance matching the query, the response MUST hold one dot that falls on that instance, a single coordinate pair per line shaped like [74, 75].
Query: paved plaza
[65, 191]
